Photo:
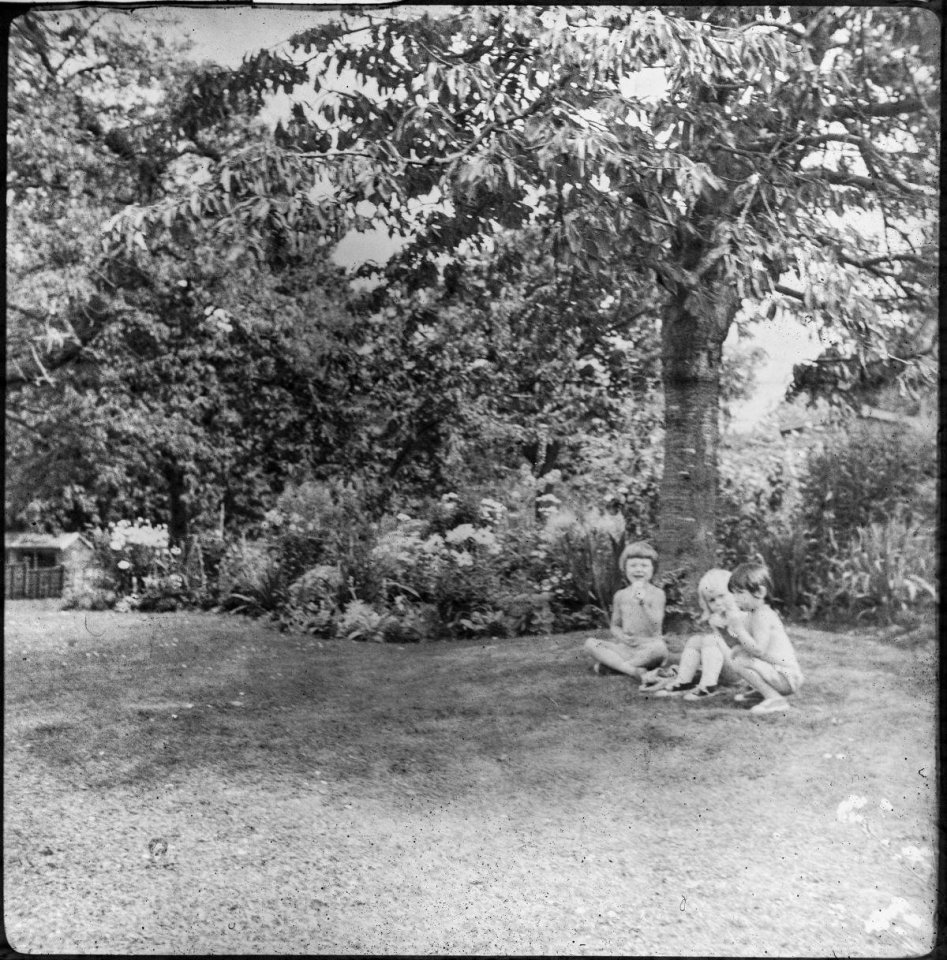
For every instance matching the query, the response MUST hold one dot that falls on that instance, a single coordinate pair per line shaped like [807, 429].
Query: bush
[136, 563]
[250, 579]
[758, 505]
[128, 552]
[787, 554]
[885, 571]
[583, 552]
[619, 470]
[324, 524]
[844, 534]
[411, 622]
[472, 564]
[91, 598]
[863, 476]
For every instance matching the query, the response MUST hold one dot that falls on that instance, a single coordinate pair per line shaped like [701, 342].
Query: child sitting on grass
[637, 618]
[708, 653]
[765, 658]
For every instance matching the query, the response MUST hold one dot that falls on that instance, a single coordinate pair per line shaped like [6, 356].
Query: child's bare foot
[704, 693]
[771, 705]
[676, 689]
[748, 694]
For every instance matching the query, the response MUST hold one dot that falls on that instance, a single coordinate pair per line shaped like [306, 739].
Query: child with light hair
[637, 618]
[708, 653]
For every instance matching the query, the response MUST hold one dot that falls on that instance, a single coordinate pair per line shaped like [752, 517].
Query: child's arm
[755, 645]
[654, 603]
[616, 624]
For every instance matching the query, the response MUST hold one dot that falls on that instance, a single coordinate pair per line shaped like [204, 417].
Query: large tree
[177, 385]
[740, 180]
[190, 379]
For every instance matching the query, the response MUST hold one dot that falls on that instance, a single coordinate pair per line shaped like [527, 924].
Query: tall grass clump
[584, 548]
[885, 571]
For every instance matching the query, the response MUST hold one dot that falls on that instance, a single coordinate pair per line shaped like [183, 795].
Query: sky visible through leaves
[226, 35]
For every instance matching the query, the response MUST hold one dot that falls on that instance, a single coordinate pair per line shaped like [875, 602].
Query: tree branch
[32, 428]
[890, 108]
[789, 292]
[28, 312]
[840, 179]
[775, 25]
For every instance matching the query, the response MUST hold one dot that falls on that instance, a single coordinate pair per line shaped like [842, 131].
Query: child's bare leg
[690, 660]
[611, 656]
[755, 680]
[711, 663]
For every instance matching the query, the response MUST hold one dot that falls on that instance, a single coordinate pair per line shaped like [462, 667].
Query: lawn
[190, 783]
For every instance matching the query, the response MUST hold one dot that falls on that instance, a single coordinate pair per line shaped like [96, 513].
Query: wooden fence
[21, 582]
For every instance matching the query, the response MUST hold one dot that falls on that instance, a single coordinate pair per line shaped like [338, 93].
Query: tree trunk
[178, 521]
[692, 350]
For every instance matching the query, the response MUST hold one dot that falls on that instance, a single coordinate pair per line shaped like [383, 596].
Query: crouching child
[764, 658]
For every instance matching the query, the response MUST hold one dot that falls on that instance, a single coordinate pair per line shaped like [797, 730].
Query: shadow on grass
[146, 700]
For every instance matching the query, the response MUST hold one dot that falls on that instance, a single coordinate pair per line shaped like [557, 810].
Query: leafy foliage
[887, 571]
[570, 240]
[844, 525]
[737, 182]
[865, 475]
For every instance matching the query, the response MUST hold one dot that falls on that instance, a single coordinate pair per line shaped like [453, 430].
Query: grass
[477, 797]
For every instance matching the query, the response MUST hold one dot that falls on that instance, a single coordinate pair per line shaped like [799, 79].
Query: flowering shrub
[131, 551]
[456, 572]
[324, 523]
[482, 567]
[139, 570]
[91, 598]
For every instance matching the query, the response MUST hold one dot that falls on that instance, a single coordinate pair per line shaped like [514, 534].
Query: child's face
[639, 568]
[747, 601]
[720, 602]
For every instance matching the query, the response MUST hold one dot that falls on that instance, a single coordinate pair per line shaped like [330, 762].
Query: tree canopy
[740, 179]
[654, 169]
[204, 375]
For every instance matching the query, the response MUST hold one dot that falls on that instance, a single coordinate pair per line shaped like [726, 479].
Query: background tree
[203, 375]
[738, 182]
[503, 358]
[178, 384]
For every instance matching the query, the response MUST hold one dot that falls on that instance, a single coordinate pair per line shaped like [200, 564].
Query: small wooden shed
[44, 565]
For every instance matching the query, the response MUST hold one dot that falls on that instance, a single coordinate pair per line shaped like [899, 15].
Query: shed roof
[44, 541]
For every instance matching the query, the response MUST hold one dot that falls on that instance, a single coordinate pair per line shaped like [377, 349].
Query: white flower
[486, 538]
[491, 510]
[883, 919]
[175, 551]
[464, 559]
[433, 544]
[846, 809]
[117, 544]
[915, 855]
[123, 565]
[460, 534]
